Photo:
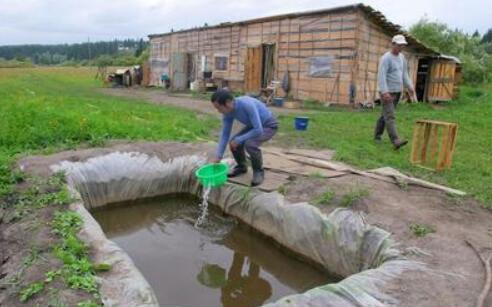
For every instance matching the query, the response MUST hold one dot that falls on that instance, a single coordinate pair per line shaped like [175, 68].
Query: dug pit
[220, 263]
[342, 243]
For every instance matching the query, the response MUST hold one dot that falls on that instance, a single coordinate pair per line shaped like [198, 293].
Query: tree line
[71, 54]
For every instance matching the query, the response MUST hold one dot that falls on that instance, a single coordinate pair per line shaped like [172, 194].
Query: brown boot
[399, 144]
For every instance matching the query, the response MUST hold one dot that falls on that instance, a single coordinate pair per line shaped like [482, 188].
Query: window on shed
[221, 62]
[320, 67]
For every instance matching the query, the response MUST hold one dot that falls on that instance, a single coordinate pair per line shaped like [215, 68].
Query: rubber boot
[399, 144]
[240, 167]
[258, 172]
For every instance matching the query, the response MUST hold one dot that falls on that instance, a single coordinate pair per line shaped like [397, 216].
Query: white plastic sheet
[341, 242]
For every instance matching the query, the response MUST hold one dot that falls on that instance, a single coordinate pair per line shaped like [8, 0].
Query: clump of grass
[29, 291]
[421, 230]
[282, 189]
[353, 196]
[88, 303]
[316, 175]
[325, 198]
[77, 271]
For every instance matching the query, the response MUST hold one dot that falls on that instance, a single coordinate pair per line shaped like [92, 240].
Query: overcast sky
[70, 21]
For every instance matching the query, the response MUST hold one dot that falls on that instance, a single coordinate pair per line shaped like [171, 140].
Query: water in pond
[221, 263]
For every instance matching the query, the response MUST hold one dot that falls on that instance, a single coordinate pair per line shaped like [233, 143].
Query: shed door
[441, 82]
[253, 69]
[179, 66]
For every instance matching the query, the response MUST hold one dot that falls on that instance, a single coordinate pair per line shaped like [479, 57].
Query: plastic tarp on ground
[341, 242]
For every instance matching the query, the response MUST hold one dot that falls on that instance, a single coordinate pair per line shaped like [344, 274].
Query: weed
[29, 291]
[77, 269]
[245, 193]
[282, 189]
[325, 198]
[352, 196]
[421, 230]
[65, 223]
[51, 275]
[88, 303]
[102, 267]
[316, 174]
[32, 257]
[402, 184]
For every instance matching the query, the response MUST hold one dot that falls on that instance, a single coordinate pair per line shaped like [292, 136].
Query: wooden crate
[433, 144]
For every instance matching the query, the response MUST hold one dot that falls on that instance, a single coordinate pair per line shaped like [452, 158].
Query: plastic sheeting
[341, 242]
[320, 67]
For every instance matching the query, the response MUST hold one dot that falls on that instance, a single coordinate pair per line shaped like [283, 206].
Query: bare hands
[214, 160]
[386, 97]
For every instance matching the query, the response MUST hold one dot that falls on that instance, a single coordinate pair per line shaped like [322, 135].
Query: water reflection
[238, 289]
[221, 263]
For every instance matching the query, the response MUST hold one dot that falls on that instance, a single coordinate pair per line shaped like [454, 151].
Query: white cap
[399, 40]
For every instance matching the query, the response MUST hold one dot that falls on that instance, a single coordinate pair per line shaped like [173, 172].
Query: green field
[47, 109]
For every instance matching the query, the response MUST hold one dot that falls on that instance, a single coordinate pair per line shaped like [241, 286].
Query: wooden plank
[423, 152]
[416, 141]
[441, 160]
[434, 141]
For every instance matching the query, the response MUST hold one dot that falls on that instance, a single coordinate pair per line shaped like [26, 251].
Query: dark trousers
[252, 145]
[388, 119]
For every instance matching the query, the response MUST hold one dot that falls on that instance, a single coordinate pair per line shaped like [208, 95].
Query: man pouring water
[259, 126]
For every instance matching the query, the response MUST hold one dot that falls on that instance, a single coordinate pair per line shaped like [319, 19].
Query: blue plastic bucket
[278, 102]
[301, 123]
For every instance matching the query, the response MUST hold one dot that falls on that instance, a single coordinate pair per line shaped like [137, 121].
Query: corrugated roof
[371, 13]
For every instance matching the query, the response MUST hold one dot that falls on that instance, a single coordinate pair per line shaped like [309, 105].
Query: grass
[350, 133]
[353, 196]
[47, 109]
[421, 230]
[43, 110]
[325, 198]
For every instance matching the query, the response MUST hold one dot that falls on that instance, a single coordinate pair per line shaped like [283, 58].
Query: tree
[477, 63]
[487, 37]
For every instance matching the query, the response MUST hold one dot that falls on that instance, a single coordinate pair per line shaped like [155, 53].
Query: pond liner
[341, 243]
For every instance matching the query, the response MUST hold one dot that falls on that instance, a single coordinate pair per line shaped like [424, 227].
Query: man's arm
[224, 136]
[254, 118]
[382, 74]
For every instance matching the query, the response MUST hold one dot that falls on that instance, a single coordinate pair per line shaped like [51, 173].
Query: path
[160, 97]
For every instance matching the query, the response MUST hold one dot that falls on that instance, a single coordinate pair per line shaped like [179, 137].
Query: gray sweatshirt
[393, 73]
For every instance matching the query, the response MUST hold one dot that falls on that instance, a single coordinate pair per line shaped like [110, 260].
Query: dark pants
[252, 145]
[387, 119]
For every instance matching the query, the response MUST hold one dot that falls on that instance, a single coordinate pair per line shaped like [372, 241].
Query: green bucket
[213, 174]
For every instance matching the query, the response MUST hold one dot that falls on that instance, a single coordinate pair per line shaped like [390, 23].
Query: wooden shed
[329, 55]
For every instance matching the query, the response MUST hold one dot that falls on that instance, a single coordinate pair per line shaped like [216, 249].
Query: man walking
[392, 78]
[259, 126]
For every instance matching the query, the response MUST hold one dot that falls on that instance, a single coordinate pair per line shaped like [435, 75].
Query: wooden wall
[354, 43]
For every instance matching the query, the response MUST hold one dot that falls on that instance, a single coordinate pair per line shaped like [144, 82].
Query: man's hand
[411, 93]
[386, 97]
[214, 160]
[233, 144]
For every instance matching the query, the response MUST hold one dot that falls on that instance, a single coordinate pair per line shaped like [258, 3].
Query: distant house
[330, 55]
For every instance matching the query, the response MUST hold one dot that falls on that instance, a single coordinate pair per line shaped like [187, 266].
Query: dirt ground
[457, 274]
[26, 256]
[160, 97]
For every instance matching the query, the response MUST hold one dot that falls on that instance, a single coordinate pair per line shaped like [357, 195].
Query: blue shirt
[249, 111]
